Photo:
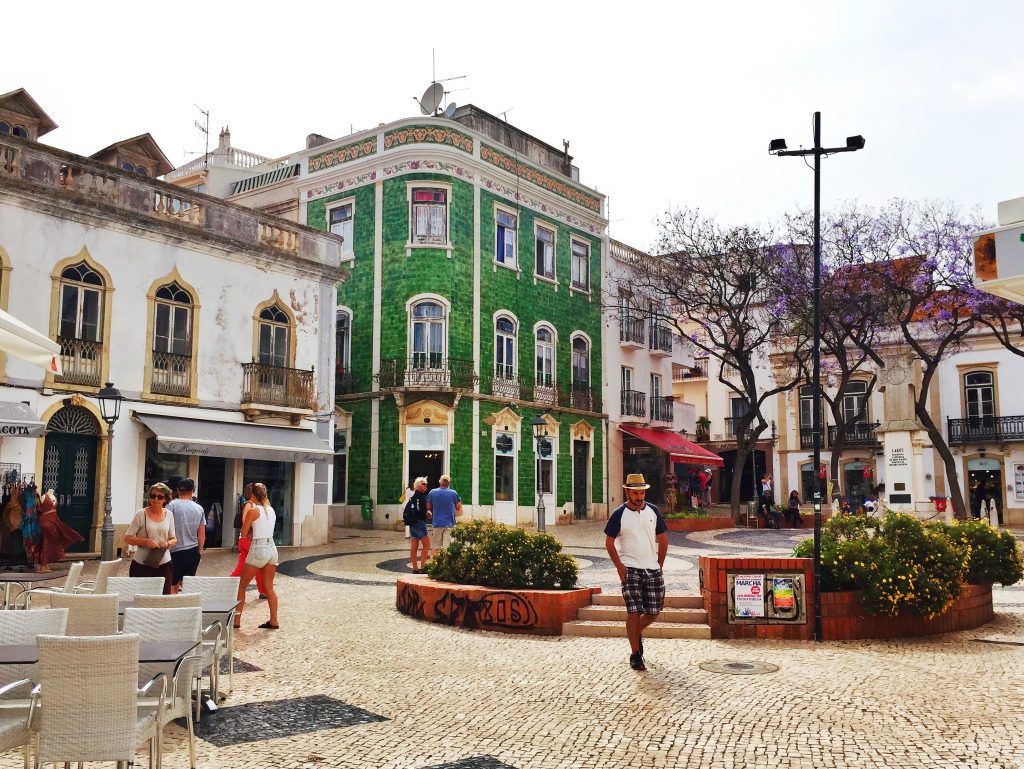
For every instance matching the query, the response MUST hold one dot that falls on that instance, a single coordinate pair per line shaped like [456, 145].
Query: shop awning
[19, 420]
[23, 341]
[679, 447]
[235, 440]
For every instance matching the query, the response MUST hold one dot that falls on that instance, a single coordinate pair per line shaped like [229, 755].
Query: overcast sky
[663, 105]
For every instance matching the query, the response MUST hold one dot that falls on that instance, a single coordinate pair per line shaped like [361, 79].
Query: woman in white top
[152, 531]
[258, 523]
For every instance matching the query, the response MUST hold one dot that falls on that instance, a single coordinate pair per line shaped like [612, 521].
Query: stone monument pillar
[903, 472]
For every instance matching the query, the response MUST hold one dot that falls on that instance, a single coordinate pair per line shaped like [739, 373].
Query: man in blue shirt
[442, 506]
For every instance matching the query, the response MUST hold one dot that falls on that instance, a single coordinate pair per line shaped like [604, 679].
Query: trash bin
[752, 514]
[366, 510]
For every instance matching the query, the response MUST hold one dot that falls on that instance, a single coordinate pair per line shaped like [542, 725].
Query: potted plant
[703, 428]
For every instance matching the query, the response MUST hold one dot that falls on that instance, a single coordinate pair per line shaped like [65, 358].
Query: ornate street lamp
[110, 409]
[540, 432]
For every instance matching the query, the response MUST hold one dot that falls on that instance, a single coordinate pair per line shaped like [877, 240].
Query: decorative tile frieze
[534, 176]
[393, 170]
[539, 205]
[426, 134]
[360, 149]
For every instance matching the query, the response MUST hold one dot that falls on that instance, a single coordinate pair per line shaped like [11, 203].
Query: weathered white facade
[213, 321]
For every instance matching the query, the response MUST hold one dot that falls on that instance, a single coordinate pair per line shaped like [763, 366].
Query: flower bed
[706, 523]
[474, 607]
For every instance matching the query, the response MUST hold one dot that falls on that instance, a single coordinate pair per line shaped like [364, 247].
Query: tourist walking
[793, 517]
[415, 517]
[190, 529]
[636, 539]
[245, 542]
[258, 523]
[444, 505]
[152, 532]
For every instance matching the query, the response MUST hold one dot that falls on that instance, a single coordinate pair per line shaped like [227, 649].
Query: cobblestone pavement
[349, 682]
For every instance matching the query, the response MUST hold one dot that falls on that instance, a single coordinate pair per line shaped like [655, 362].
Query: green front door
[69, 468]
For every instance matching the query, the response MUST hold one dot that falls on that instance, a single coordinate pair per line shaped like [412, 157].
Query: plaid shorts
[643, 590]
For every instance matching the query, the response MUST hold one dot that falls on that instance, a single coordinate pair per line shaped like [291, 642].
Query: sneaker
[637, 662]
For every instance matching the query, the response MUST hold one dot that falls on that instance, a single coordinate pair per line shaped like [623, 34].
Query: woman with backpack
[415, 516]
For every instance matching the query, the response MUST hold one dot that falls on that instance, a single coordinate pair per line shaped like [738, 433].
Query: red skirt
[56, 537]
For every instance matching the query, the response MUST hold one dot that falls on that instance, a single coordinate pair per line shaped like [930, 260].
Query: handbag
[155, 556]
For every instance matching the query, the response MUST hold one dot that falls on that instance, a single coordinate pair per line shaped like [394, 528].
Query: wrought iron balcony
[634, 403]
[857, 434]
[80, 359]
[344, 382]
[732, 427]
[172, 374]
[807, 437]
[631, 331]
[505, 384]
[986, 429]
[699, 370]
[661, 408]
[427, 371]
[660, 339]
[580, 396]
[277, 386]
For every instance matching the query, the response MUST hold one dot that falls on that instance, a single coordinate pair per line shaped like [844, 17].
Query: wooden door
[69, 468]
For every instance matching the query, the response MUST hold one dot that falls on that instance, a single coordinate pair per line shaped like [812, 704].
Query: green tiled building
[473, 307]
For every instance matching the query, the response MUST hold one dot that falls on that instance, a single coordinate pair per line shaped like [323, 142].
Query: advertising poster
[1018, 482]
[749, 595]
[783, 596]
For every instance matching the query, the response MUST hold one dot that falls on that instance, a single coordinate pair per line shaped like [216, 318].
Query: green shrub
[495, 555]
[992, 555]
[896, 564]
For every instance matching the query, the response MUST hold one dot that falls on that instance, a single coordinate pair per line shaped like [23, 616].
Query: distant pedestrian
[190, 529]
[258, 523]
[245, 542]
[693, 492]
[415, 517]
[636, 539]
[152, 532]
[410, 489]
[444, 505]
[793, 517]
[980, 494]
[706, 491]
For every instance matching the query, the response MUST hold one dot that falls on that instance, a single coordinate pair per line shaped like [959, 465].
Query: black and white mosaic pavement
[476, 762]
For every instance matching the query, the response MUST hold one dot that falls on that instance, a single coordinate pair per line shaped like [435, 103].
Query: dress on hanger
[56, 536]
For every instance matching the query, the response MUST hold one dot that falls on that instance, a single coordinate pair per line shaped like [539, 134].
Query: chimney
[224, 140]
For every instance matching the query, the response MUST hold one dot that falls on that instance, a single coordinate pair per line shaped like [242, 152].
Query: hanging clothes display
[55, 535]
[30, 522]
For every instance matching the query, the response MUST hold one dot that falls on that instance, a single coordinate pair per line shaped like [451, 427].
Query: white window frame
[852, 401]
[554, 253]
[80, 289]
[514, 265]
[554, 355]
[625, 379]
[173, 308]
[590, 357]
[573, 286]
[445, 306]
[348, 244]
[424, 184]
[347, 363]
[515, 345]
[273, 325]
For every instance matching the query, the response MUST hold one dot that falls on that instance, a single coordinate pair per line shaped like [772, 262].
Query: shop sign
[748, 592]
[20, 430]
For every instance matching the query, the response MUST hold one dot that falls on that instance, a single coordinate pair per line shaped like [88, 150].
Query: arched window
[274, 329]
[580, 363]
[20, 132]
[343, 353]
[545, 355]
[141, 171]
[505, 347]
[128, 166]
[429, 334]
[5, 128]
[80, 324]
[980, 397]
[855, 407]
[172, 341]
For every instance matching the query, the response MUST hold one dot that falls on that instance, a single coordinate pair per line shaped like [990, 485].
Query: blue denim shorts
[418, 530]
[261, 553]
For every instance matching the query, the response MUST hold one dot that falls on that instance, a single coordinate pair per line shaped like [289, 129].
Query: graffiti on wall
[500, 610]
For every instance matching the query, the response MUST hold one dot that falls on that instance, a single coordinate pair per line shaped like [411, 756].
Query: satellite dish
[449, 111]
[431, 98]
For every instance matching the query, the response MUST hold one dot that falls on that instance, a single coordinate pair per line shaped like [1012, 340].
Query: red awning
[681, 449]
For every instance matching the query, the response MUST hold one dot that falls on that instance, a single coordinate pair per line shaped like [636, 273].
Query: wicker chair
[89, 615]
[89, 694]
[24, 598]
[178, 601]
[217, 589]
[104, 571]
[14, 723]
[22, 627]
[165, 624]
[129, 587]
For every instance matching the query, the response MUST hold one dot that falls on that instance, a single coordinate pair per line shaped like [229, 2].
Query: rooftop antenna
[435, 92]
[205, 128]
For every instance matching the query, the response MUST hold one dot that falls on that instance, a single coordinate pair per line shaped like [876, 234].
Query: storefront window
[279, 478]
[160, 468]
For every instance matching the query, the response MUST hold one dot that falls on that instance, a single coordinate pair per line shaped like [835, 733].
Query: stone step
[618, 614]
[671, 601]
[605, 629]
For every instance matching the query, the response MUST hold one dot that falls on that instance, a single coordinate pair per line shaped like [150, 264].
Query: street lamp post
[540, 432]
[110, 409]
[778, 147]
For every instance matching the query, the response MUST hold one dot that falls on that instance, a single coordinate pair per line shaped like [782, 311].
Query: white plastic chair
[89, 615]
[88, 701]
[104, 571]
[24, 598]
[166, 624]
[129, 587]
[218, 589]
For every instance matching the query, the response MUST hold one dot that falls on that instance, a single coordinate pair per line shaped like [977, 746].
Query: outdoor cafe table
[25, 580]
[151, 652]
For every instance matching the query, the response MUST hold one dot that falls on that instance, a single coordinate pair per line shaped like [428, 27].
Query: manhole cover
[738, 668]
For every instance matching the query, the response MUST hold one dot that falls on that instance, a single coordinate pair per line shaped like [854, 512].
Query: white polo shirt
[636, 533]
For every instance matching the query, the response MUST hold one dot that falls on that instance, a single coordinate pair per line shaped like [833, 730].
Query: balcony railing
[660, 339]
[580, 396]
[661, 408]
[631, 330]
[857, 435]
[267, 385]
[699, 370]
[732, 427]
[634, 403]
[344, 382]
[80, 359]
[807, 437]
[172, 374]
[986, 429]
[428, 371]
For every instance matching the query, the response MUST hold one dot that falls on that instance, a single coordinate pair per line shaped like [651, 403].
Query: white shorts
[438, 535]
[262, 552]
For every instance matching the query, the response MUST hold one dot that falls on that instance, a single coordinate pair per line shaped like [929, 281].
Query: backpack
[410, 511]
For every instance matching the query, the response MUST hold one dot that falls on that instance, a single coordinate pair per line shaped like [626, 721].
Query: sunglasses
[157, 496]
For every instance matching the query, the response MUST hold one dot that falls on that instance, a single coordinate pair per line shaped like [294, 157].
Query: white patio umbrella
[23, 341]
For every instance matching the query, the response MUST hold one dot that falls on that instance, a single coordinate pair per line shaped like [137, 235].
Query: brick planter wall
[540, 612]
[698, 524]
[713, 572]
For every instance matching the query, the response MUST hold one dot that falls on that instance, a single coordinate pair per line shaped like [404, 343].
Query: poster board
[767, 598]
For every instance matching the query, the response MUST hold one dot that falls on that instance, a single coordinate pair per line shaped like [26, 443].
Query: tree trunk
[956, 496]
[737, 479]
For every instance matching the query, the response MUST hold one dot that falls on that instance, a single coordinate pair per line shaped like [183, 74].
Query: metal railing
[268, 385]
[660, 338]
[427, 370]
[344, 382]
[986, 429]
[580, 396]
[699, 370]
[857, 434]
[732, 426]
[661, 408]
[634, 403]
[631, 330]
[172, 374]
[807, 437]
[81, 360]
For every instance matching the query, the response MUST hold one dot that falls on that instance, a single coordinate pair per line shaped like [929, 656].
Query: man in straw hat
[637, 540]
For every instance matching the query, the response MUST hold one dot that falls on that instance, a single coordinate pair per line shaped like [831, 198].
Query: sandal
[267, 626]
